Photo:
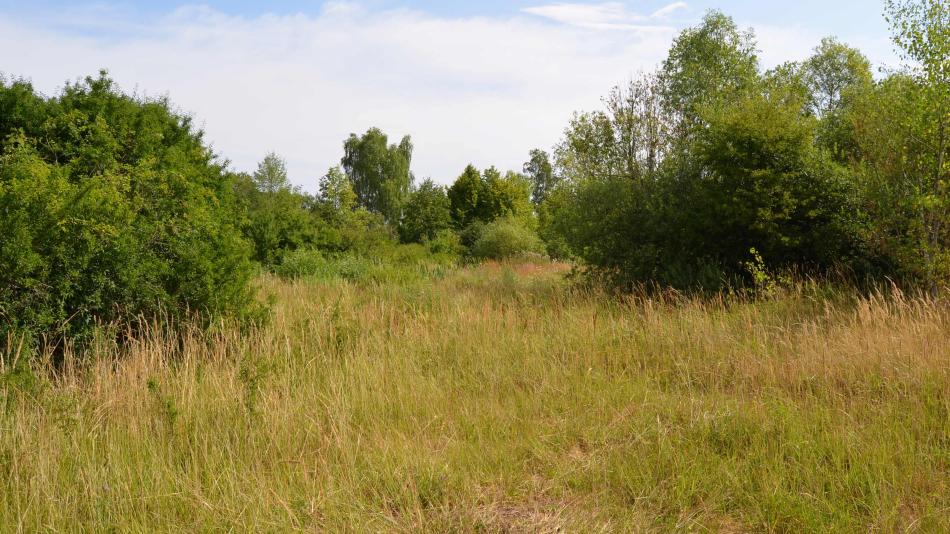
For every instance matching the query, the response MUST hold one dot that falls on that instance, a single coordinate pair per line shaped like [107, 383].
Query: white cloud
[605, 16]
[669, 10]
[342, 8]
[480, 90]
[468, 90]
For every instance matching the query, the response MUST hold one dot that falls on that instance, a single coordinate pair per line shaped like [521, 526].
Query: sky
[476, 81]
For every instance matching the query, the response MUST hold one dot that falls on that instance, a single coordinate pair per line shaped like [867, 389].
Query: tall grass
[495, 399]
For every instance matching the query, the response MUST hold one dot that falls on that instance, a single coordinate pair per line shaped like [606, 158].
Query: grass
[495, 399]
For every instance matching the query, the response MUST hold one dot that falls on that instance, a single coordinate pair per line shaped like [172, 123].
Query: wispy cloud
[605, 16]
[669, 10]
[484, 90]
[342, 8]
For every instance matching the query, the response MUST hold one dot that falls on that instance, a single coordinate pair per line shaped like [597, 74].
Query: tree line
[709, 172]
[691, 172]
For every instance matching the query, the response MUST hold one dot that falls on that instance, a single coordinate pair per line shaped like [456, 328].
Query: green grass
[495, 399]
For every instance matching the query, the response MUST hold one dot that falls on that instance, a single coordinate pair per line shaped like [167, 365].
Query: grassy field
[496, 399]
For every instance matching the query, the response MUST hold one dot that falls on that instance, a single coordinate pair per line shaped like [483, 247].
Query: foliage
[769, 187]
[540, 173]
[834, 70]
[708, 65]
[815, 165]
[316, 264]
[506, 238]
[380, 172]
[765, 283]
[275, 215]
[112, 209]
[427, 213]
[392, 263]
[922, 31]
[336, 191]
[483, 197]
[466, 198]
[446, 242]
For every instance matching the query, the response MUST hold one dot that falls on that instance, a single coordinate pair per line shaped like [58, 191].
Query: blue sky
[830, 16]
[474, 81]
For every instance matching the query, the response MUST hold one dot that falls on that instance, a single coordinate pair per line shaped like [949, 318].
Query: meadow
[494, 398]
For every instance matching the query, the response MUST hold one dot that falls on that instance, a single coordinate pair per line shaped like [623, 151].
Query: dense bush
[446, 243]
[506, 238]
[313, 263]
[301, 262]
[814, 165]
[275, 218]
[477, 197]
[111, 208]
[426, 214]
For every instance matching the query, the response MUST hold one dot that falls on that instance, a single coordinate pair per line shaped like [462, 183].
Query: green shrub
[274, 214]
[425, 214]
[389, 264]
[112, 210]
[470, 235]
[407, 254]
[446, 243]
[302, 262]
[351, 267]
[506, 238]
[312, 263]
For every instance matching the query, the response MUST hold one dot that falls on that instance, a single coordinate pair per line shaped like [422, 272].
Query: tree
[276, 218]
[540, 172]
[271, 175]
[587, 151]
[507, 195]
[484, 197]
[427, 213]
[380, 172]
[770, 188]
[922, 32]
[467, 198]
[831, 72]
[639, 126]
[712, 63]
[628, 139]
[337, 191]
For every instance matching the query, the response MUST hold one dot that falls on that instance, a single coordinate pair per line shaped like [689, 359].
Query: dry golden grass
[496, 399]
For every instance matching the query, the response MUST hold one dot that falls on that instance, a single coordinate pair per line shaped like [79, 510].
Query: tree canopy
[380, 172]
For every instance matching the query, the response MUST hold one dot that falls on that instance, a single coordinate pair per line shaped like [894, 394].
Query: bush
[446, 243]
[274, 212]
[302, 262]
[391, 264]
[425, 214]
[311, 263]
[470, 235]
[112, 210]
[506, 238]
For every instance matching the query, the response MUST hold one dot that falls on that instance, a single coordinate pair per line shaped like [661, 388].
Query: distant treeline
[706, 173]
